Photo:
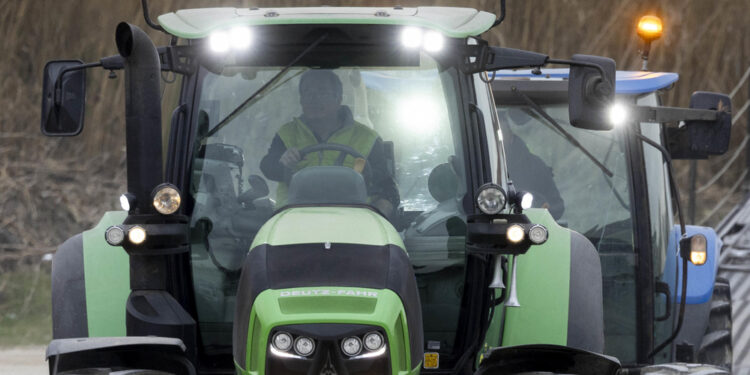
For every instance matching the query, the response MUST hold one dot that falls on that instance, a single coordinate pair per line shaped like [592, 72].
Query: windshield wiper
[538, 109]
[273, 79]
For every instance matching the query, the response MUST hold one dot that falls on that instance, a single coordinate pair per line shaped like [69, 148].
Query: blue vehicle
[615, 187]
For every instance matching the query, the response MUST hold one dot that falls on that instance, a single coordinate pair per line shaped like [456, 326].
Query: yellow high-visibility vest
[296, 134]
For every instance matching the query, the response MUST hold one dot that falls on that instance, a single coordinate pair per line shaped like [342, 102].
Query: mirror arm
[673, 114]
[58, 81]
[109, 63]
[584, 64]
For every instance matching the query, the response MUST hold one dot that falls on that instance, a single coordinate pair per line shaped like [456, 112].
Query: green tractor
[333, 199]
[614, 185]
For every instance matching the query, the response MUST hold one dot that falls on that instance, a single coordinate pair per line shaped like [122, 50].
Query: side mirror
[698, 139]
[64, 102]
[591, 92]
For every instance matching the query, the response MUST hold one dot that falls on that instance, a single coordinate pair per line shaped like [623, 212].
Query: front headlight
[136, 235]
[515, 233]
[114, 236]
[351, 346]
[166, 199]
[374, 341]
[282, 341]
[538, 234]
[491, 199]
[298, 350]
[304, 346]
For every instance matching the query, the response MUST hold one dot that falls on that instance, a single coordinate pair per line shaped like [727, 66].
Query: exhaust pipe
[513, 296]
[150, 308]
[142, 114]
[497, 274]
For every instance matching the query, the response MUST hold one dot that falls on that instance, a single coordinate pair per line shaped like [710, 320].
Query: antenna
[144, 4]
[502, 14]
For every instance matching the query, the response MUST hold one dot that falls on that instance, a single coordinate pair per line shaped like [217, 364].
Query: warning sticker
[431, 360]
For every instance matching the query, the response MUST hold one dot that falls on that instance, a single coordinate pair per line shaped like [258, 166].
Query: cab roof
[628, 82]
[453, 22]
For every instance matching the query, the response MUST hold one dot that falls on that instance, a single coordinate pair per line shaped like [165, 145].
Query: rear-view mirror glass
[63, 102]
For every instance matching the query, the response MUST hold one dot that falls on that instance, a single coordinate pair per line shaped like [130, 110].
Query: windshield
[582, 196]
[401, 129]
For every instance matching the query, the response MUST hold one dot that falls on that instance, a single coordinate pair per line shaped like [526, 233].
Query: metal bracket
[176, 59]
[673, 114]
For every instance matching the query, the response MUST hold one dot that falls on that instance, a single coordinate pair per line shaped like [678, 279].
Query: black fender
[586, 304]
[69, 317]
[546, 358]
[131, 353]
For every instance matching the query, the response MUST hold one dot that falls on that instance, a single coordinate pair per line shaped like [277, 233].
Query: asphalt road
[28, 360]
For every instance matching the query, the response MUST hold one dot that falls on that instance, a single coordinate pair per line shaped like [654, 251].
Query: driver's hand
[290, 158]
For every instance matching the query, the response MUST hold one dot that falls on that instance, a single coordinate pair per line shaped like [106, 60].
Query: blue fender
[701, 279]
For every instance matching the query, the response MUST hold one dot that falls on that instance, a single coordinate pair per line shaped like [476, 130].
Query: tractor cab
[613, 186]
[334, 200]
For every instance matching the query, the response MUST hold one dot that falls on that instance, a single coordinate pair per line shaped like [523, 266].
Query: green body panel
[492, 338]
[543, 284]
[453, 22]
[300, 225]
[107, 279]
[336, 305]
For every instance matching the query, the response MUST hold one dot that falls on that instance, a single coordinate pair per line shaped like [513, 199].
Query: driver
[527, 170]
[325, 120]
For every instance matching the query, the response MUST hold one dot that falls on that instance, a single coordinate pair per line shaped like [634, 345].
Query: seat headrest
[327, 185]
[443, 182]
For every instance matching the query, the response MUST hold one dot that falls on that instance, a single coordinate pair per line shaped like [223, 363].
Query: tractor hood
[453, 22]
[339, 225]
[326, 265]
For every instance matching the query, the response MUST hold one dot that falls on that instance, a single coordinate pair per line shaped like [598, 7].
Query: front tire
[716, 346]
[683, 369]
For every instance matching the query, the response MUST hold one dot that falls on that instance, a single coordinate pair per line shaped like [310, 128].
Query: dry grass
[52, 188]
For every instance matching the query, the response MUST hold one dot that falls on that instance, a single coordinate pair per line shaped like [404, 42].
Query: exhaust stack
[142, 114]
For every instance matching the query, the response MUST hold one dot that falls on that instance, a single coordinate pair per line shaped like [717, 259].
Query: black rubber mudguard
[69, 317]
[546, 358]
[152, 353]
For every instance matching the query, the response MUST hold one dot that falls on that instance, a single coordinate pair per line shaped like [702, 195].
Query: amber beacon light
[649, 29]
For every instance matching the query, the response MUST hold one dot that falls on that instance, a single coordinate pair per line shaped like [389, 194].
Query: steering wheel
[344, 149]
[331, 147]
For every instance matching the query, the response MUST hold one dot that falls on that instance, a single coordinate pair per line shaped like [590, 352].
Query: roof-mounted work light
[238, 38]
[430, 41]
